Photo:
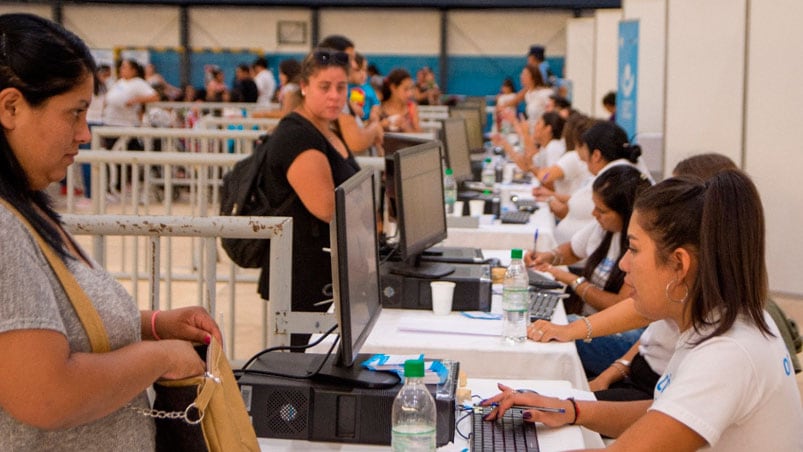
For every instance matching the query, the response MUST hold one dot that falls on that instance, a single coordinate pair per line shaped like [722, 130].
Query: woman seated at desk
[602, 244]
[730, 376]
[542, 149]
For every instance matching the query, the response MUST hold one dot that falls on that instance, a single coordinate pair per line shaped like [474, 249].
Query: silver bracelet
[589, 330]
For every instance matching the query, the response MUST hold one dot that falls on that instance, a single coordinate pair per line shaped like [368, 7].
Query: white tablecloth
[476, 344]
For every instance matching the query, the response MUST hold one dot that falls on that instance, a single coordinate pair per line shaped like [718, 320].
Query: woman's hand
[192, 324]
[183, 361]
[600, 383]
[525, 398]
[545, 331]
[538, 259]
[542, 193]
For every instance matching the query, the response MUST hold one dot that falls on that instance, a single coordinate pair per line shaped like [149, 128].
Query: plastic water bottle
[488, 173]
[449, 191]
[515, 300]
[413, 417]
[499, 167]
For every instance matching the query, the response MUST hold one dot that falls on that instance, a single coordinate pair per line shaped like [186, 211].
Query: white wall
[774, 153]
[132, 26]
[395, 31]
[241, 27]
[580, 62]
[705, 78]
[39, 10]
[507, 32]
[606, 54]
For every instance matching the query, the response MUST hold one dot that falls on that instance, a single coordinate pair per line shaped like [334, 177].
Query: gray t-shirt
[31, 297]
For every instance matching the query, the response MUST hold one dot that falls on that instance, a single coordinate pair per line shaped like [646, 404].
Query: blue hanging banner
[627, 93]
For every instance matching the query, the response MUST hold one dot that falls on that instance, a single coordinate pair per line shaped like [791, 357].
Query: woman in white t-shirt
[729, 385]
[126, 97]
[603, 146]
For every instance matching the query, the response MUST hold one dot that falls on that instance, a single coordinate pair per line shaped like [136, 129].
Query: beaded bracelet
[153, 325]
[583, 294]
[557, 258]
[589, 330]
[619, 369]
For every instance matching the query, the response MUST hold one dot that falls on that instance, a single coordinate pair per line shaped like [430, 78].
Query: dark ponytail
[732, 275]
[394, 78]
[611, 140]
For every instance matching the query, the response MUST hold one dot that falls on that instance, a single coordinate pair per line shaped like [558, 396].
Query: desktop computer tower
[313, 410]
[472, 290]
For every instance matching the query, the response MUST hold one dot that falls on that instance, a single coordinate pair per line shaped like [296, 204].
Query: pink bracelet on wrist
[153, 325]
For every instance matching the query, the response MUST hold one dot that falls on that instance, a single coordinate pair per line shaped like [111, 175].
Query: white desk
[480, 355]
[568, 437]
[507, 236]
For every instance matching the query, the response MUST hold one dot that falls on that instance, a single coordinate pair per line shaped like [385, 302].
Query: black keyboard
[544, 305]
[509, 433]
[515, 217]
[540, 281]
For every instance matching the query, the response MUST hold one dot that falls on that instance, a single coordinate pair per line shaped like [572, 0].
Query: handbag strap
[87, 314]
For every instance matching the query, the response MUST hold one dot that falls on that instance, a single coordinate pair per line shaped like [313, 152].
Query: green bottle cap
[486, 192]
[515, 253]
[414, 368]
[449, 171]
[487, 160]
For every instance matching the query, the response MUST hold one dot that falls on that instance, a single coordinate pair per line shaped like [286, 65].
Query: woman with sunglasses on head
[55, 393]
[306, 160]
[729, 385]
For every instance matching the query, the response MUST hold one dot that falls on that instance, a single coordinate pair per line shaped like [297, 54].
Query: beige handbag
[203, 413]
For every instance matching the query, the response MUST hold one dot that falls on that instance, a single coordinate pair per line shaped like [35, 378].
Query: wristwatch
[576, 283]
[624, 362]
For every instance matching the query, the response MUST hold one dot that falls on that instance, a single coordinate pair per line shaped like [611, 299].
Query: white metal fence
[160, 274]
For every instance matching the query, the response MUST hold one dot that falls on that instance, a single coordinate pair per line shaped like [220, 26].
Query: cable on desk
[245, 369]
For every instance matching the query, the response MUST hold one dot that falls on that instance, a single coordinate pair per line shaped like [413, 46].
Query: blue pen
[545, 409]
[535, 239]
[546, 176]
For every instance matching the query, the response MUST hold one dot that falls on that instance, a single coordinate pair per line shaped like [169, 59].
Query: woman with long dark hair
[729, 385]
[55, 393]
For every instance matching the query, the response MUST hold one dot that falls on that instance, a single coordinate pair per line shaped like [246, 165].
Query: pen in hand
[545, 409]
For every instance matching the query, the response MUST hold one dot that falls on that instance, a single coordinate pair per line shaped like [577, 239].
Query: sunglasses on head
[331, 57]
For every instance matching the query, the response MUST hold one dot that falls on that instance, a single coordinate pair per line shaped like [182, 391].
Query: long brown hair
[732, 274]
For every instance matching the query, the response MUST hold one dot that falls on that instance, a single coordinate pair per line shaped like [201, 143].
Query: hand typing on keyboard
[545, 331]
[549, 411]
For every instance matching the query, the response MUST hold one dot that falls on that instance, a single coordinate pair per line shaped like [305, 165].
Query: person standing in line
[55, 393]
[306, 159]
[266, 83]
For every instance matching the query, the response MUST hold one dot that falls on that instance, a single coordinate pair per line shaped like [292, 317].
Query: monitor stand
[300, 364]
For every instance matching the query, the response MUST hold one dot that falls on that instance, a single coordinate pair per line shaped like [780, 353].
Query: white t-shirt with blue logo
[737, 391]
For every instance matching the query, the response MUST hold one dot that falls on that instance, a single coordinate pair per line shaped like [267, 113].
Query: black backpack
[243, 194]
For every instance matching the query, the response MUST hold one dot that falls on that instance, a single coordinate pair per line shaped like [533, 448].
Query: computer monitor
[355, 265]
[355, 280]
[392, 142]
[473, 125]
[455, 140]
[421, 217]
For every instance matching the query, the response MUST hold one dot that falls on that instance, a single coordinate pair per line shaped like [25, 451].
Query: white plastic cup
[476, 207]
[442, 294]
[507, 172]
[458, 209]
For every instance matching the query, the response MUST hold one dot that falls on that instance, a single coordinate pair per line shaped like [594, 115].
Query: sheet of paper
[453, 325]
